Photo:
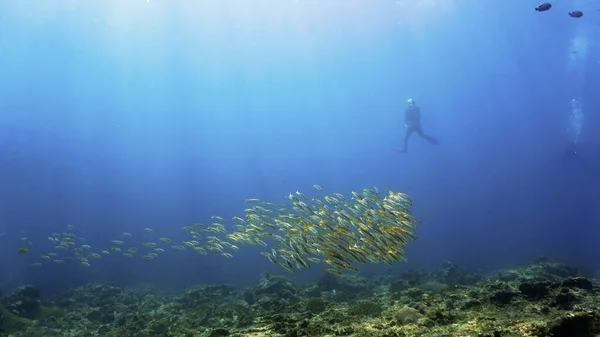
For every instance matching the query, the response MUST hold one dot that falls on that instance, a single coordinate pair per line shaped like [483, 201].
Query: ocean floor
[543, 298]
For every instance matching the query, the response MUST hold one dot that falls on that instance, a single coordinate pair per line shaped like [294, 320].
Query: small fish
[576, 14]
[200, 250]
[23, 250]
[543, 7]
[148, 230]
[218, 218]
[302, 196]
[270, 257]
[35, 264]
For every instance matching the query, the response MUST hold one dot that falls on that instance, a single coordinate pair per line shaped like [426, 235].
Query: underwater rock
[434, 287]
[535, 290]
[195, 296]
[503, 296]
[13, 323]
[574, 324]
[407, 315]
[157, 327]
[249, 297]
[441, 317]
[556, 269]
[310, 291]
[93, 295]
[103, 329]
[275, 285]
[315, 305]
[467, 304]
[564, 300]
[578, 282]
[414, 293]
[219, 332]
[540, 271]
[340, 296]
[398, 285]
[508, 275]
[415, 277]
[99, 316]
[271, 303]
[348, 283]
[365, 308]
[555, 307]
[24, 301]
[328, 282]
[451, 273]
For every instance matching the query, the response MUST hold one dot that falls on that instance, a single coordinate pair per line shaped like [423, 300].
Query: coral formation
[540, 299]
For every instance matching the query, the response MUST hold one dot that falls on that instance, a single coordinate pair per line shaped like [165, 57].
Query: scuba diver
[412, 121]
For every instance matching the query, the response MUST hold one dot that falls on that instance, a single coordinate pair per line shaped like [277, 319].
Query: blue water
[120, 115]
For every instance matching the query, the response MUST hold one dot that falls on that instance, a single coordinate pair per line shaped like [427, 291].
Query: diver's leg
[430, 139]
[409, 132]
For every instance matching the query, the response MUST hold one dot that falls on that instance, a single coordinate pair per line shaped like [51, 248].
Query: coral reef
[23, 301]
[540, 299]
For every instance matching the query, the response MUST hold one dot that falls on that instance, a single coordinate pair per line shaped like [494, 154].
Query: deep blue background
[119, 115]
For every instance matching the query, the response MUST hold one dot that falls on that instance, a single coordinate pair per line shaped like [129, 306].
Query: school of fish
[338, 232]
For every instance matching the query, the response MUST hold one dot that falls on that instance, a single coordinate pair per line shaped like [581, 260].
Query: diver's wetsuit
[412, 120]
